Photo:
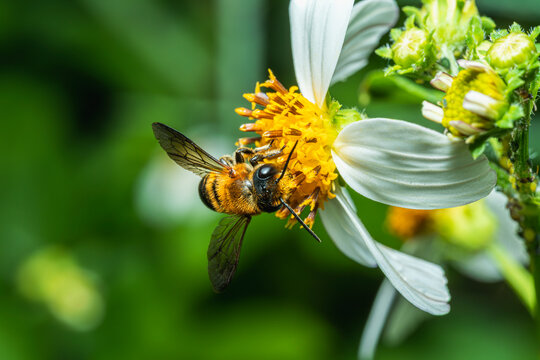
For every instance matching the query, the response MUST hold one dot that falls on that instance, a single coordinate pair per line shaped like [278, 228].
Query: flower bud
[511, 50]
[474, 101]
[470, 227]
[410, 47]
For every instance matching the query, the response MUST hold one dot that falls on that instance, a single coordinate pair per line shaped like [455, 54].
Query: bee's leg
[271, 154]
[240, 152]
[227, 160]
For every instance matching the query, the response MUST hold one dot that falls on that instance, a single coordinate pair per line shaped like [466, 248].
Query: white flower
[386, 160]
[503, 258]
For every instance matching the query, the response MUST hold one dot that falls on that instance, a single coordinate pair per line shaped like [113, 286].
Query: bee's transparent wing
[224, 250]
[185, 152]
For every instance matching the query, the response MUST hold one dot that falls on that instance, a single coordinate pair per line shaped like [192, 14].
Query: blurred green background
[103, 240]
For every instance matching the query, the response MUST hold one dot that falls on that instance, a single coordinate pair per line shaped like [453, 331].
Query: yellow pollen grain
[287, 117]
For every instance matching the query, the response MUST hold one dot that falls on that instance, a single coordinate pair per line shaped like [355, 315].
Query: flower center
[407, 223]
[485, 82]
[282, 118]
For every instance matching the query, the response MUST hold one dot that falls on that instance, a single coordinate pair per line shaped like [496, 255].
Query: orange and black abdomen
[208, 192]
[228, 194]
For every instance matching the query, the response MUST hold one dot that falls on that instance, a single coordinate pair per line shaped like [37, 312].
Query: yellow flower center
[470, 227]
[485, 82]
[407, 223]
[282, 118]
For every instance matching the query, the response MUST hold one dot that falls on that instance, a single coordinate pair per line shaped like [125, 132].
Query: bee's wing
[185, 152]
[224, 250]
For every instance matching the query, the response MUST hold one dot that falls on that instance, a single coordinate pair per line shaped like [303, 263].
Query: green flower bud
[410, 47]
[471, 227]
[511, 50]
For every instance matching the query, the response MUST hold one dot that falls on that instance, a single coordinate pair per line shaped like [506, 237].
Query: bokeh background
[103, 240]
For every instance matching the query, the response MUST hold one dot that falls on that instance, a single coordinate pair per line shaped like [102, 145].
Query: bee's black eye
[265, 172]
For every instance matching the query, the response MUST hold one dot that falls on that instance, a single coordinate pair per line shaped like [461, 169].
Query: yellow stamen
[285, 117]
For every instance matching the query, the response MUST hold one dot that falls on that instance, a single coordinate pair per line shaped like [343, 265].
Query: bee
[241, 186]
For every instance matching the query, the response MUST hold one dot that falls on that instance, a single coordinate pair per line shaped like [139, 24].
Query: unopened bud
[410, 47]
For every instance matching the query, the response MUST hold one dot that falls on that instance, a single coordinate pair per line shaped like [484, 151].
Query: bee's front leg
[270, 154]
[239, 154]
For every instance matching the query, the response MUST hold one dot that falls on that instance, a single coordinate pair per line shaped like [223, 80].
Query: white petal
[507, 230]
[370, 20]
[343, 231]
[407, 165]
[317, 32]
[479, 267]
[376, 321]
[420, 282]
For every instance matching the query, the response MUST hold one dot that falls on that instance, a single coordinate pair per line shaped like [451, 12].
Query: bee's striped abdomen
[208, 192]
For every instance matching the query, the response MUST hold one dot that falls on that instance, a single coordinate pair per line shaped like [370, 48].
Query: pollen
[407, 223]
[282, 117]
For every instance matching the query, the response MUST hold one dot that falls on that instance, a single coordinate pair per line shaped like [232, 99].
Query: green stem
[523, 203]
[516, 276]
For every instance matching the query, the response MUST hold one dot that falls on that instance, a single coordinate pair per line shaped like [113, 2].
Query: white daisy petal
[317, 32]
[404, 164]
[422, 283]
[376, 321]
[507, 230]
[370, 20]
[343, 231]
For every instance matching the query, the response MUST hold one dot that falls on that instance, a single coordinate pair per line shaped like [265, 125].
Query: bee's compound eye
[265, 172]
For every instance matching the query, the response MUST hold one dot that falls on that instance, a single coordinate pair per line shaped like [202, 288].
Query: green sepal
[475, 35]
[513, 79]
[409, 22]
[534, 33]
[514, 112]
[515, 27]
[497, 34]
[384, 52]
[477, 149]
[413, 12]
[395, 33]
[477, 143]
[488, 24]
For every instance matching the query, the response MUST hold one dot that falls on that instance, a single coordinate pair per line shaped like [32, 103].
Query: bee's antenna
[287, 163]
[298, 218]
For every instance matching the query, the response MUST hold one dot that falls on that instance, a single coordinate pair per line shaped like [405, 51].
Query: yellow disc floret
[283, 117]
[407, 223]
[486, 82]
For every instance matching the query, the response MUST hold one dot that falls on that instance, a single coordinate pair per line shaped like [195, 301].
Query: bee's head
[266, 187]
